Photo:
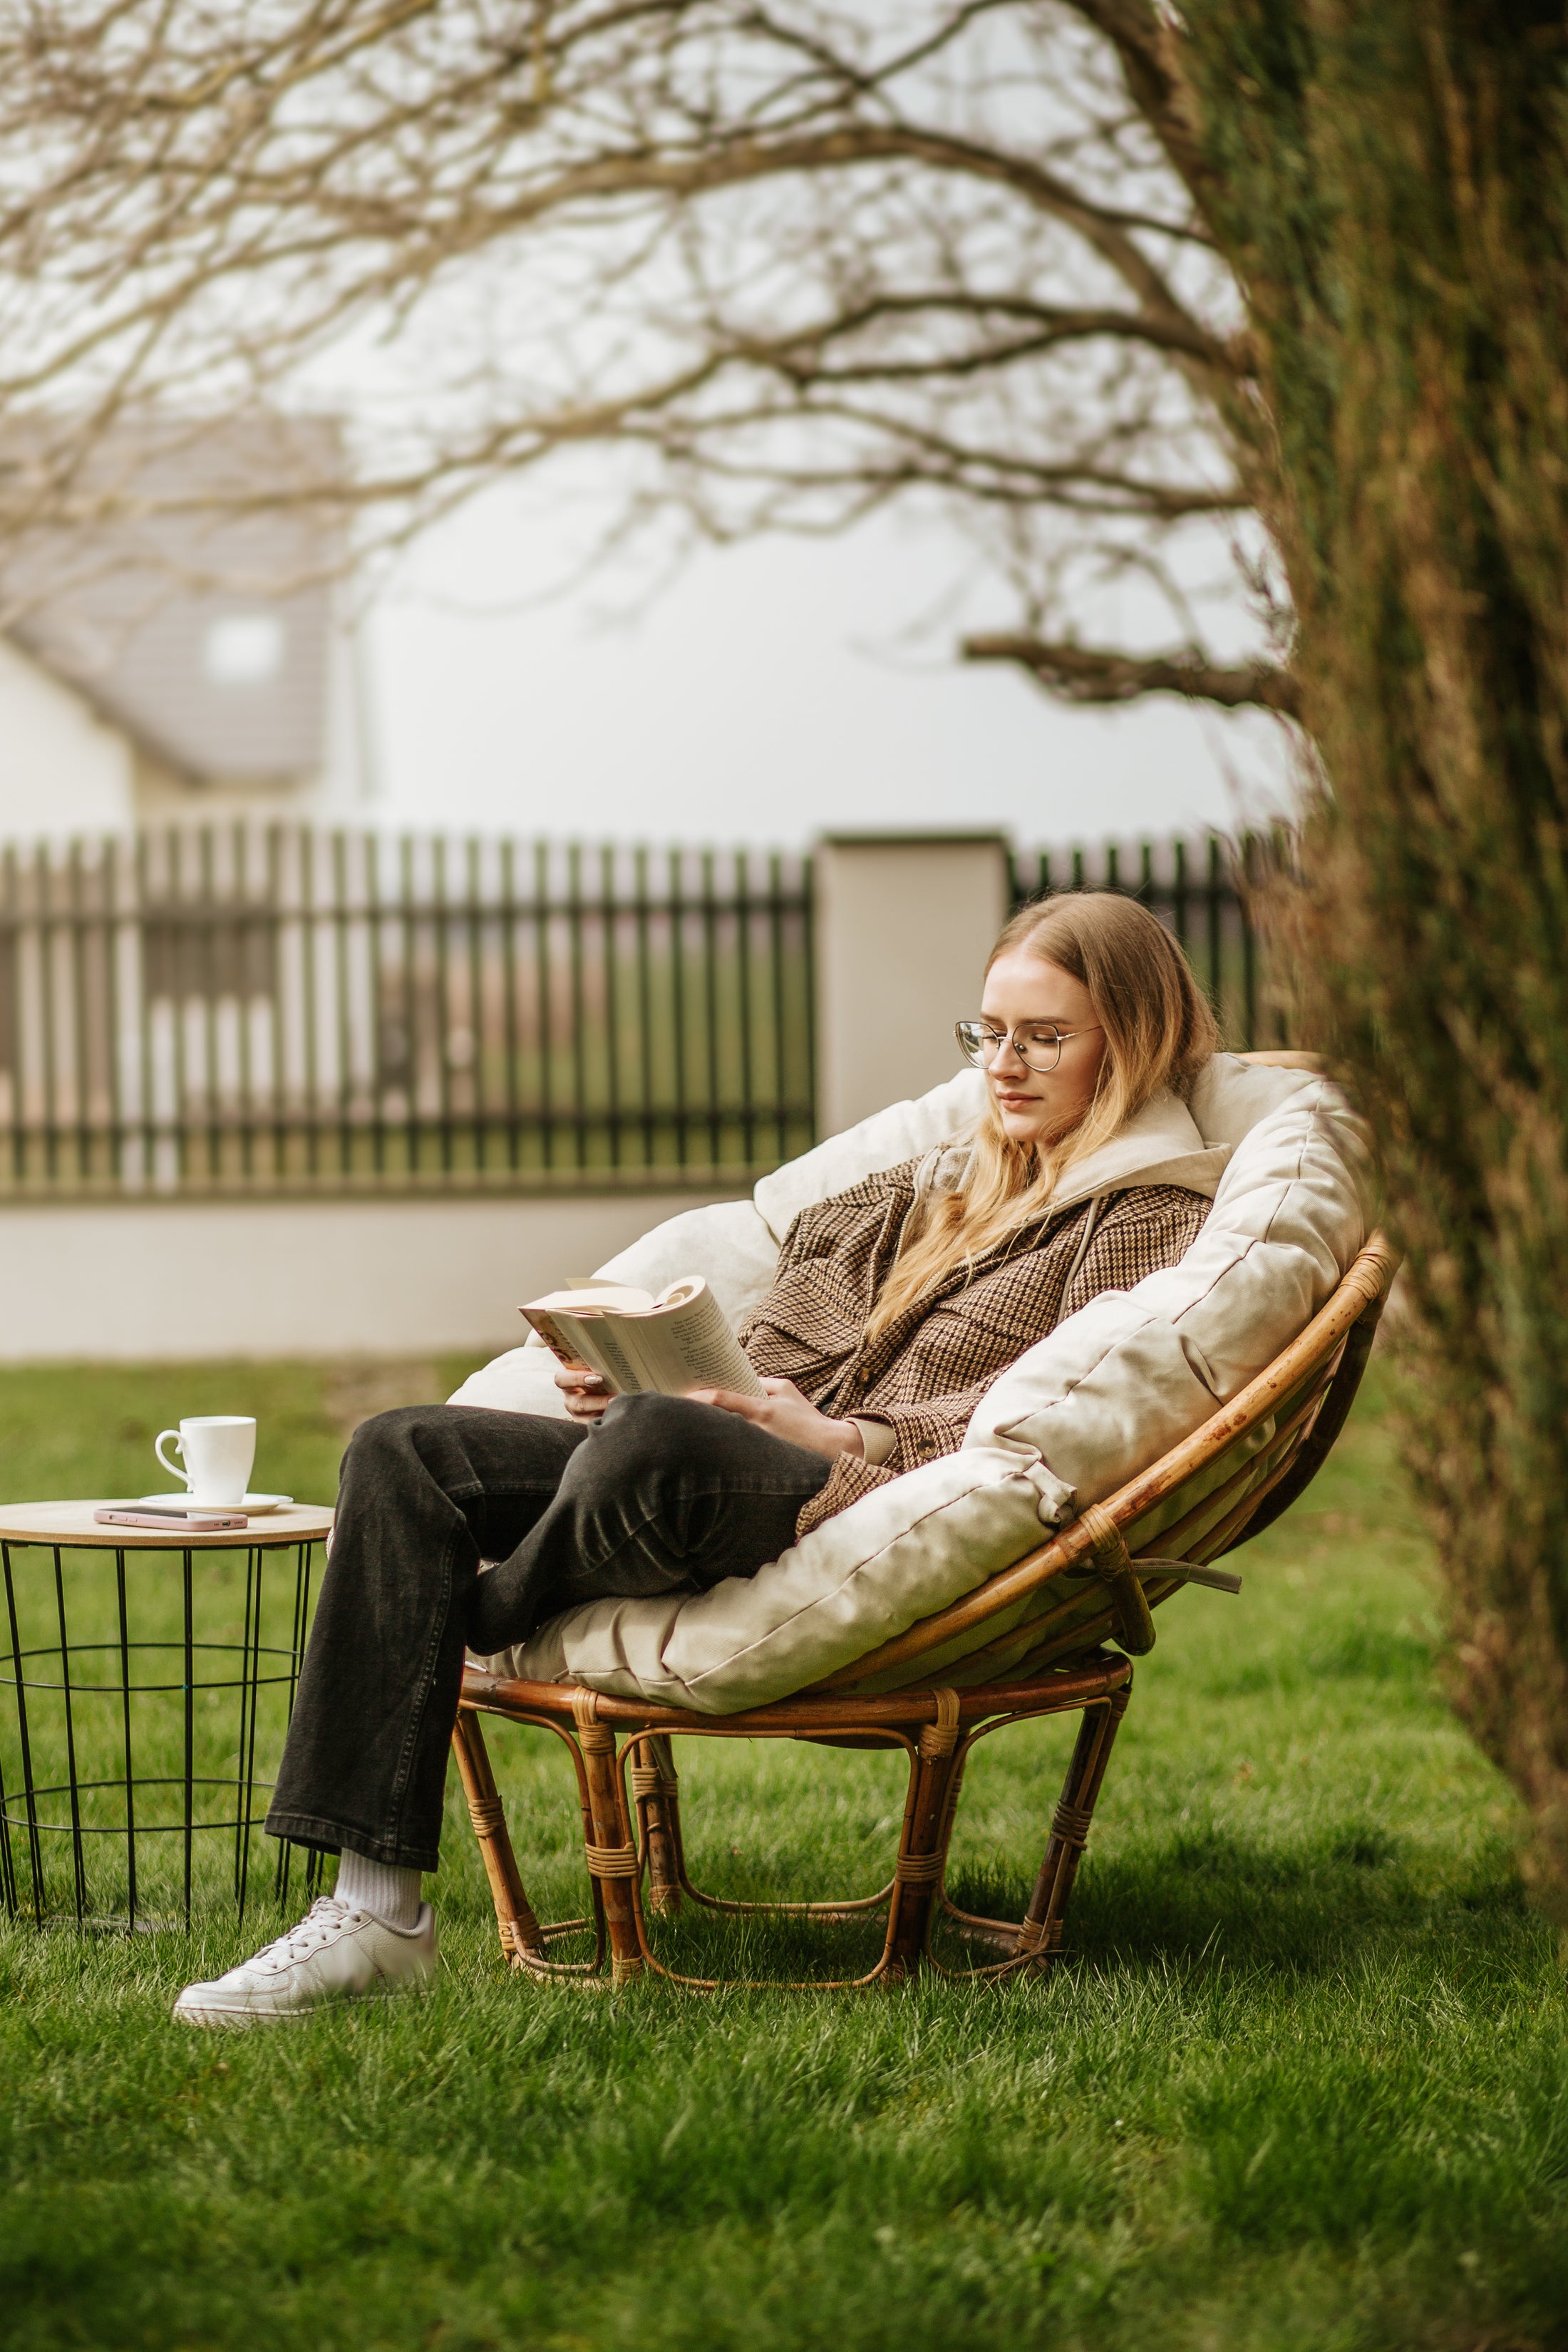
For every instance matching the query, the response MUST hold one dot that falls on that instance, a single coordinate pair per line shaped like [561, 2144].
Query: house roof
[191, 599]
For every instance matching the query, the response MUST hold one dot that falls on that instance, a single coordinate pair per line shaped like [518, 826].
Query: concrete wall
[904, 923]
[183, 1280]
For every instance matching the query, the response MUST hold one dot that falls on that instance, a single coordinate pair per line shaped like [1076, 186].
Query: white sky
[768, 693]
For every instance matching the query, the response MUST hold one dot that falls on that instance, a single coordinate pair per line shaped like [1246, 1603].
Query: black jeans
[662, 1495]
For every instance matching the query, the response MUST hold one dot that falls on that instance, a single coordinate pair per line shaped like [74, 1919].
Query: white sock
[387, 1892]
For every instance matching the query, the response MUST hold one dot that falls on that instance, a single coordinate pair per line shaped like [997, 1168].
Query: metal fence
[1200, 890]
[243, 1010]
[235, 1009]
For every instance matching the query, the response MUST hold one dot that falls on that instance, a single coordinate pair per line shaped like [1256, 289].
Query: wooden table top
[73, 1526]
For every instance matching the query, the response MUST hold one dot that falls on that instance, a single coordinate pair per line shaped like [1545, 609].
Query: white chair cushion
[899, 1552]
[1135, 1371]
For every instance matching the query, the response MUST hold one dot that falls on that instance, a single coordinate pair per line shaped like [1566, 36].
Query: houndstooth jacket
[924, 1375]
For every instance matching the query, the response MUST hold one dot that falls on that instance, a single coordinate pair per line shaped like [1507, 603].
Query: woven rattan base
[636, 1863]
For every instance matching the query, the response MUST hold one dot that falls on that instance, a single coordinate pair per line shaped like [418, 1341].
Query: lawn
[1302, 2081]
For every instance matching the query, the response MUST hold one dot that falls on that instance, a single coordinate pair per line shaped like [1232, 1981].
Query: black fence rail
[242, 1009]
[1202, 890]
[246, 1010]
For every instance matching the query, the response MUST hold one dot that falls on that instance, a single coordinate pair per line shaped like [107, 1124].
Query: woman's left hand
[785, 1413]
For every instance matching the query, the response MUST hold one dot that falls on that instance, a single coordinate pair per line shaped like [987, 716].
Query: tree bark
[1391, 185]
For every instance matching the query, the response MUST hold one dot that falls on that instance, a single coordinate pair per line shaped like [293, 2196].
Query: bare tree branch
[1086, 675]
[781, 265]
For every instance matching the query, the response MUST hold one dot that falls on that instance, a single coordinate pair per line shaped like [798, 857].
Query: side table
[150, 1684]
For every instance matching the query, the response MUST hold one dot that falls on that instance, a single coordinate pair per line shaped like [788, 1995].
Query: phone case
[201, 1522]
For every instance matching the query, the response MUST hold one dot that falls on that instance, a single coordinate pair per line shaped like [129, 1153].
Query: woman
[895, 1306]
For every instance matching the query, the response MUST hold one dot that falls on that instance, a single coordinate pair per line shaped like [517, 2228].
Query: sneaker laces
[324, 1916]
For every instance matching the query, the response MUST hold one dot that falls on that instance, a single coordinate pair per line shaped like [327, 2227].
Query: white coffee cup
[216, 1451]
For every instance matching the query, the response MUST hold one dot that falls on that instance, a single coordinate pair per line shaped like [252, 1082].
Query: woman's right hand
[585, 1392]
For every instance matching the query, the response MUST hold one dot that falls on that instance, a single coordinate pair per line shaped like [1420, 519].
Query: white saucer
[253, 1505]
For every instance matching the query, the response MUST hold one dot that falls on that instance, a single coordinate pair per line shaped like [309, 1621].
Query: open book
[675, 1342]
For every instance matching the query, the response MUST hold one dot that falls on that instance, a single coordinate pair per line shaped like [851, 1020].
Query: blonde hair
[1159, 1031]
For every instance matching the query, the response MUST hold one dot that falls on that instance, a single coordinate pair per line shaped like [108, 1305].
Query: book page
[586, 1343]
[674, 1344]
[603, 1297]
[603, 1343]
[686, 1342]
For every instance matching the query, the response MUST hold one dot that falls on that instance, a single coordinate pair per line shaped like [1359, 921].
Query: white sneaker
[335, 1954]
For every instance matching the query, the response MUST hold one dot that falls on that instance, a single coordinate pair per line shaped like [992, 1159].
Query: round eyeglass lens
[1038, 1047]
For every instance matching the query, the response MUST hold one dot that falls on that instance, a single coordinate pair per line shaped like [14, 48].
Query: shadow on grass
[1311, 1907]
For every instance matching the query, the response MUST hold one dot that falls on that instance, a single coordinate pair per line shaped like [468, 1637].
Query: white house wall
[348, 769]
[62, 771]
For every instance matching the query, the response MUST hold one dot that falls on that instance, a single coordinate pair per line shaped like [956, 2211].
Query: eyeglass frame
[1007, 1037]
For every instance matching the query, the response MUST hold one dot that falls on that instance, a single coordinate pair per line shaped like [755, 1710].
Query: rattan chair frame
[1216, 1489]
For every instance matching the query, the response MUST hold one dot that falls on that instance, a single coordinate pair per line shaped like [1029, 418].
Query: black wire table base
[87, 1706]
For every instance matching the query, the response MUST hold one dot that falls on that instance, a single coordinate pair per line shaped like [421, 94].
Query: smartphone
[204, 1522]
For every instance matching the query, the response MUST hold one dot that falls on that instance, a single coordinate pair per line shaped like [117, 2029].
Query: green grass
[1302, 2084]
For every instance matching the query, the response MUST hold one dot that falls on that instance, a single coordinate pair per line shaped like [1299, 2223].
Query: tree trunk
[1391, 182]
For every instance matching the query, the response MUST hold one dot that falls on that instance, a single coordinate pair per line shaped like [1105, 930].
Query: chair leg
[656, 1790]
[923, 1847]
[612, 1855]
[520, 1930]
[1040, 1932]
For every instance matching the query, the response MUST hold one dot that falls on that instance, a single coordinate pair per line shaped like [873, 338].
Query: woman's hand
[785, 1413]
[585, 1392]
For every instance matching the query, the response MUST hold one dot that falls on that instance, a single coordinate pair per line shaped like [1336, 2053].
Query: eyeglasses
[1038, 1044]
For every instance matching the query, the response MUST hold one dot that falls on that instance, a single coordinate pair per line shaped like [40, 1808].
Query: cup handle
[173, 1468]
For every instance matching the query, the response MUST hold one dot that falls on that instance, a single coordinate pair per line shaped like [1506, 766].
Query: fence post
[903, 924]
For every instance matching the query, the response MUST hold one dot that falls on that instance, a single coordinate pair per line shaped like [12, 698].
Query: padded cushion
[1099, 1398]
[906, 1548]
[1120, 1382]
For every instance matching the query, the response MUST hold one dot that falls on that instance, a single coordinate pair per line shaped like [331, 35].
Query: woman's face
[1022, 992]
